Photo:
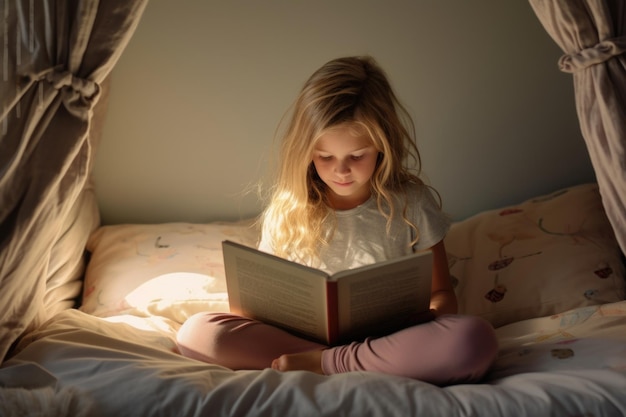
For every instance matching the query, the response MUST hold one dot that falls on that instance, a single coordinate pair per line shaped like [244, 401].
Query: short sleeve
[432, 223]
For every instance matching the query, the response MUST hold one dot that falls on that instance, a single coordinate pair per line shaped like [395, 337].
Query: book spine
[332, 312]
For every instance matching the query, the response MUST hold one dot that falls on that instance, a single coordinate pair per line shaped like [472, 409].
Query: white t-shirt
[360, 237]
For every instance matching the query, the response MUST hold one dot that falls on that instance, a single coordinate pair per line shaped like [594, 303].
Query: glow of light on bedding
[183, 291]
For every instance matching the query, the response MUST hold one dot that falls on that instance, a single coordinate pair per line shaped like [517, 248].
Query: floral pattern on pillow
[544, 256]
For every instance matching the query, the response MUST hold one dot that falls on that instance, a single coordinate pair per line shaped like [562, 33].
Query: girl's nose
[342, 168]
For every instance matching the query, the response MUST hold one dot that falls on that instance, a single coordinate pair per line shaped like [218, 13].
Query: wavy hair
[354, 91]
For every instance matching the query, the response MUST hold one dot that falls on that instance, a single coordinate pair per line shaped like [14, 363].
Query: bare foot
[305, 361]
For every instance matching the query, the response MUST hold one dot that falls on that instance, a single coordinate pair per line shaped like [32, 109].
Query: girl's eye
[356, 157]
[325, 157]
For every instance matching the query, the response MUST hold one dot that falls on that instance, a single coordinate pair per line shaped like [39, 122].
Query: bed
[91, 311]
[548, 273]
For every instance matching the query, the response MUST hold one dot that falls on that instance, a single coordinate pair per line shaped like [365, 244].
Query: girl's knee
[481, 336]
[476, 347]
[194, 325]
[200, 334]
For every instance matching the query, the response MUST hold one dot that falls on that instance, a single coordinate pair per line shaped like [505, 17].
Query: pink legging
[449, 349]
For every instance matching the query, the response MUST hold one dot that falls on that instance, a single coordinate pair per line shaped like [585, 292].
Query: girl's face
[345, 161]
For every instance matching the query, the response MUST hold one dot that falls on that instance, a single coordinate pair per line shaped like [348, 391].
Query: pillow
[544, 256]
[172, 270]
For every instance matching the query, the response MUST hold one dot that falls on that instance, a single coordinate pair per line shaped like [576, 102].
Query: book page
[382, 300]
[277, 292]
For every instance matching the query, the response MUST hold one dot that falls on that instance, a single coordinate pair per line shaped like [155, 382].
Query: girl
[346, 195]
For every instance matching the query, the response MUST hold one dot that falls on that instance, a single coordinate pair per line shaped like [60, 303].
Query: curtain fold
[592, 33]
[56, 56]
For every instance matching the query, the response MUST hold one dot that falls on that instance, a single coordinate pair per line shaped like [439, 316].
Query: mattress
[569, 364]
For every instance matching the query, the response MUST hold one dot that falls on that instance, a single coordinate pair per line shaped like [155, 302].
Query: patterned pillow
[541, 257]
[172, 270]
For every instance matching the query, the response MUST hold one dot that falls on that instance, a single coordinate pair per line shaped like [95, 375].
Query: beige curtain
[56, 56]
[592, 33]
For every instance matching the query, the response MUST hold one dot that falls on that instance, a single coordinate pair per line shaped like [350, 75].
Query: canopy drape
[55, 57]
[592, 33]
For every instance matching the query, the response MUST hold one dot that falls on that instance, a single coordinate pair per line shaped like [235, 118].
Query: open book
[346, 306]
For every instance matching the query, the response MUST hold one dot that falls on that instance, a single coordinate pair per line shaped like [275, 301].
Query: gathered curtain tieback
[60, 79]
[80, 94]
[597, 54]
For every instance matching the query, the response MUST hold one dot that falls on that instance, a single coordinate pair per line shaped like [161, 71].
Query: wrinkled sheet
[570, 364]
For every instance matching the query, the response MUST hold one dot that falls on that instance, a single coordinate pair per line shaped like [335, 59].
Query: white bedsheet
[571, 364]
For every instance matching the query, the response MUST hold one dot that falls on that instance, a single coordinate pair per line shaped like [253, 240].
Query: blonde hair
[354, 91]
